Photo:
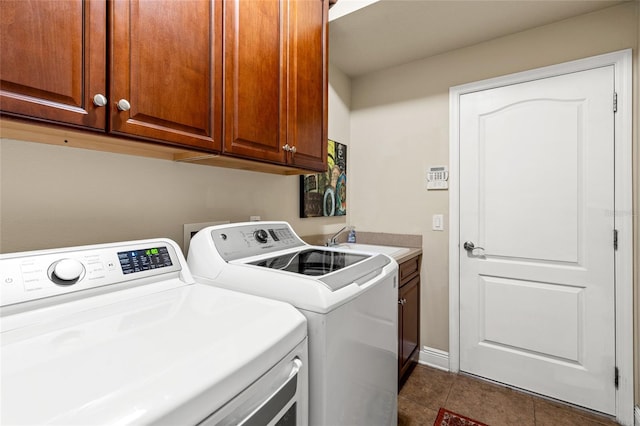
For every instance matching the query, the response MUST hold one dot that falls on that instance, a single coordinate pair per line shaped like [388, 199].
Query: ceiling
[384, 33]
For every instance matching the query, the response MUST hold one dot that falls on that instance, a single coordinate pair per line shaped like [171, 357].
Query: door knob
[470, 247]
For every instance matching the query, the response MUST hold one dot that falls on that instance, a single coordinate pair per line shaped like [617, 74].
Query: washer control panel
[242, 240]
[35, 275]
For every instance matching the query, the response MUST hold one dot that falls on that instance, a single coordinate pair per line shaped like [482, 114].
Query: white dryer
[121, 334]
[349, 299]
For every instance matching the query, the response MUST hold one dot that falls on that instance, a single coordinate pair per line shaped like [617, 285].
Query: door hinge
[615, 102]
[616, 379]
[615, 239]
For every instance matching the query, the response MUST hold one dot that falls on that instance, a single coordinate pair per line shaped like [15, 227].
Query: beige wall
[339, 106]
[52, 196]
[400, 127]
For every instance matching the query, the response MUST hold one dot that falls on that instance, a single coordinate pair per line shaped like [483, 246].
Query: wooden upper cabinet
[308, 86]
[255, 84]
[53, 57]
[166, 65]
[168, 81]
[276, 81]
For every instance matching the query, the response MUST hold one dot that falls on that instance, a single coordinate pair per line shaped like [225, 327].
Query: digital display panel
[143, 260]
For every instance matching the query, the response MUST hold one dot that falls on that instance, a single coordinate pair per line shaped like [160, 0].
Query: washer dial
[66, 271]
[261, 236]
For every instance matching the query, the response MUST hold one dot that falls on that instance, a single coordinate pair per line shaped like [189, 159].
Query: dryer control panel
[36, 275]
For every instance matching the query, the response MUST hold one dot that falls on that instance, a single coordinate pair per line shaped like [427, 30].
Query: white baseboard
[637, 415]
[434, 358]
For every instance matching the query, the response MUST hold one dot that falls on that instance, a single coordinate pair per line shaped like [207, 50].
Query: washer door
[312, 262]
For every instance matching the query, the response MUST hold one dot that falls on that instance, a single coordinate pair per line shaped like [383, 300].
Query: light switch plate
[438, 222]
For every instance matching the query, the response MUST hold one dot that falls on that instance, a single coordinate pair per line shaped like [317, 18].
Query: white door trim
[622, 62]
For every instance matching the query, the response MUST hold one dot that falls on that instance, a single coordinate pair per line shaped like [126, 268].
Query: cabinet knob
[292, 149]
[99, 100]
[287, 148]
[124, 105]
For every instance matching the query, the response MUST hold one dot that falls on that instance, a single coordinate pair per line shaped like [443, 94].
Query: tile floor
[428, 389]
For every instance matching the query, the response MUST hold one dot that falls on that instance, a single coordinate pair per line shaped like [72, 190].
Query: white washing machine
[121, 334]
[349, 299]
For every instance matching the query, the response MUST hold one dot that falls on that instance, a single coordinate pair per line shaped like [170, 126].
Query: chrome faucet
[332, 241]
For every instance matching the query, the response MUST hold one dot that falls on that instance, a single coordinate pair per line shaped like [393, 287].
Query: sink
[371, 248]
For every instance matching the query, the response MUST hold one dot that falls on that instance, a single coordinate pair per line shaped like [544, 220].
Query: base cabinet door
[408, 318]
[166, 71]
[53, 60]
[410, 296]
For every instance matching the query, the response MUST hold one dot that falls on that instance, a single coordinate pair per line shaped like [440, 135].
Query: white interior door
[537, 303]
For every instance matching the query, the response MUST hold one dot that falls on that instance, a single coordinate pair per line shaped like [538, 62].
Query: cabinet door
[167, 64]
[255, 69]
[400, 358]
[410, 294]
[53, 59]
[308, 74]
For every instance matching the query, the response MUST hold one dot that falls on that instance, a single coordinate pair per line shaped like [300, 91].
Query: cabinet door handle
[124, 105]
[287, 148]
[99, 100]
[293, 151]
[402, 301]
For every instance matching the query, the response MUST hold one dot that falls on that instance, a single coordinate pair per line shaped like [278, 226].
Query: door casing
[623, 210]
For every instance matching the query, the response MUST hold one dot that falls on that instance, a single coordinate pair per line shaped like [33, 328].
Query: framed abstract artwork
[325, 194]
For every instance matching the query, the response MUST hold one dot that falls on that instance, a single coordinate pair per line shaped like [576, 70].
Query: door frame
[623, 209]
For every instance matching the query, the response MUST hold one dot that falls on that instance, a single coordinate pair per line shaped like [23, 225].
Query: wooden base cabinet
[408, 318]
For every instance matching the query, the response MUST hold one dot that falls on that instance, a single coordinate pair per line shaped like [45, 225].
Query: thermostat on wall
[437, 177]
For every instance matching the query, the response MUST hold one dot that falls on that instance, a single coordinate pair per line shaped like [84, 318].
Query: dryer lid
[190, 348]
